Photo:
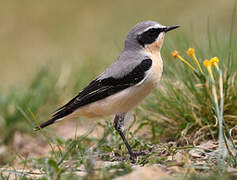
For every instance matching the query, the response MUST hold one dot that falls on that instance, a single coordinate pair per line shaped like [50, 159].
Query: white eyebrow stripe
[155, 26]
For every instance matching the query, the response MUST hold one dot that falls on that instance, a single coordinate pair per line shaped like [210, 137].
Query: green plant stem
[232, 142]
[73, 144]
[219, 117]
[37, 123]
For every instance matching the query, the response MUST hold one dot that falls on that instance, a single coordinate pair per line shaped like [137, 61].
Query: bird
[124, 84]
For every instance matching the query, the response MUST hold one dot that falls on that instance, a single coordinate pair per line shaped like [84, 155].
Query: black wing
[101, 88]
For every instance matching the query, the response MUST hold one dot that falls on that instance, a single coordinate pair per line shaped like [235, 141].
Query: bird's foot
[135, 154]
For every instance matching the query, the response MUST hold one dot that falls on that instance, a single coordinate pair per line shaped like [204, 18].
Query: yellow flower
[214, 61]
[191, 52]
[208, 65]
[175, 54]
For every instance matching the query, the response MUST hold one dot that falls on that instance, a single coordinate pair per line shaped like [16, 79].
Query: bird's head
[148, 35]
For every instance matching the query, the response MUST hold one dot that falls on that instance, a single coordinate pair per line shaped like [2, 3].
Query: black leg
[118, 125]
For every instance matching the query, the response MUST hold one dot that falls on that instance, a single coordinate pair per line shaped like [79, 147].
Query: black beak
[169, 28]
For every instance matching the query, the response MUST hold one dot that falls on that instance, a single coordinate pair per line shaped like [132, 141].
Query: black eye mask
[149, 36]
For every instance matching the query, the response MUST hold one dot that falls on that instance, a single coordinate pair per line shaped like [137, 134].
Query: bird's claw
[135, 154]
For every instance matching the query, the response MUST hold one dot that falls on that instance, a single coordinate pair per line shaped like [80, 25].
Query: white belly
[115, 104]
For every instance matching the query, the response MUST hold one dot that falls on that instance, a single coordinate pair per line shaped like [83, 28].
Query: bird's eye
[148, 36]
[152, 32]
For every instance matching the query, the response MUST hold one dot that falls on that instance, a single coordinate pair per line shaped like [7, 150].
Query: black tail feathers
[44, 124]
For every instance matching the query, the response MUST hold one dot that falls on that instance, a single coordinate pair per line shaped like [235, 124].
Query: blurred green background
[91, 33]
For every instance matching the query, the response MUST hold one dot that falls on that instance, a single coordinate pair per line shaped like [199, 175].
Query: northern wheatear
[125, 83]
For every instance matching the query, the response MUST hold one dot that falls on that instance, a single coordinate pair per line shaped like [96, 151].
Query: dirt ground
[182, 161]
